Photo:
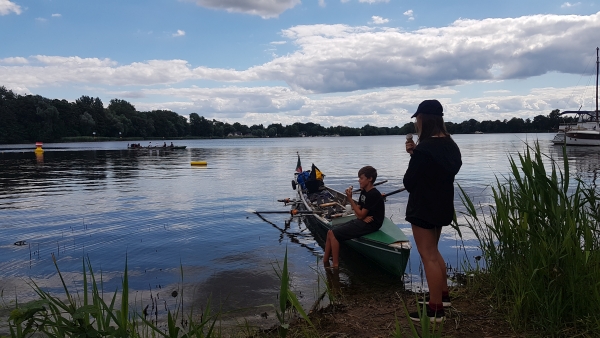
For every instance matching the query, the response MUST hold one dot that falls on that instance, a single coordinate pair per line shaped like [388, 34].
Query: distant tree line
[27, 118]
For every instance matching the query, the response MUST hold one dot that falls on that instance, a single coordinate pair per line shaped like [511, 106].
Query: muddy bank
[360, 311]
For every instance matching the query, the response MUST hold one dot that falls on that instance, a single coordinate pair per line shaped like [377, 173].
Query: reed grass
[540, 245]
[89, 315]
[287, 301]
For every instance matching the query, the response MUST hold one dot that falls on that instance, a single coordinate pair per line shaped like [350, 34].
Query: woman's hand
[410, 146]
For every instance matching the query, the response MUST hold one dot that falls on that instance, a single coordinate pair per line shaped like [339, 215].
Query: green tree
[95, 108]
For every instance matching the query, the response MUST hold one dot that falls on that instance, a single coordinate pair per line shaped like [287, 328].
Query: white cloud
[278, 42]
[233, 100]
[344, 1]
[41, 19]
[263, 8]
[322, 3]
[568, 4]
[56, 15]
[14, 60]
[179, 33]
[377, 20]
[409, 13]
[387, 107]
[7, 7]
[373, 1]
[536, 102]
[53, 70]
[334, 58]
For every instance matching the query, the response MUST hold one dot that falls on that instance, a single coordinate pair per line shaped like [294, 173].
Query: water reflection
[584, 162]
[333, 281]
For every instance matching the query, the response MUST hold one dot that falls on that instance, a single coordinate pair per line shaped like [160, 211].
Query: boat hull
[388, 248]
[582, 138]
[559, 138]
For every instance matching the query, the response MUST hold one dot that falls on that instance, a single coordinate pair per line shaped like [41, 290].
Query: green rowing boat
[388, 247]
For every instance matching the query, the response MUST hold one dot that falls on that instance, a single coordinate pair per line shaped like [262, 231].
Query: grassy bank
[540, 244]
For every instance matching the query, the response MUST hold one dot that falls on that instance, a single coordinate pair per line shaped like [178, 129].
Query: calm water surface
[102, 201]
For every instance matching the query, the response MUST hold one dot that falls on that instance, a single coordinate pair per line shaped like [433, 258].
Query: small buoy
[20, 243]
[38, 148]
[199, 163]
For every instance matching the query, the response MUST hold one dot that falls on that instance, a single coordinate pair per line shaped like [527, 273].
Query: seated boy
[369, 211]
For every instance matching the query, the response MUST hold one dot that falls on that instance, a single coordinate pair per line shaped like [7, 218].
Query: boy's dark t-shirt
[373, 201]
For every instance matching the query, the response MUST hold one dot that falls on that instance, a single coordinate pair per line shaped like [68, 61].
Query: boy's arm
[373, 202]
[359, 212]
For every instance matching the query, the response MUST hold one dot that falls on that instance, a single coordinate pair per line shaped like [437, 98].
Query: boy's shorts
[353, 229]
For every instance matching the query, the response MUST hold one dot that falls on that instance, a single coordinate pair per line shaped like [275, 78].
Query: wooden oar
[393, 192]
[376, 184]
[292, 212]
[285, 201]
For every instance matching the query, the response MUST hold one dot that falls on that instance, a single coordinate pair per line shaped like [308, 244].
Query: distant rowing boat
[158, 148]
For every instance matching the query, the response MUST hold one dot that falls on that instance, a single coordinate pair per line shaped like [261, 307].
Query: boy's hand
[349, 192]
[368, 219]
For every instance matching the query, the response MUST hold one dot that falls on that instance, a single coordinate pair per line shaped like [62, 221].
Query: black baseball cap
[431, 107]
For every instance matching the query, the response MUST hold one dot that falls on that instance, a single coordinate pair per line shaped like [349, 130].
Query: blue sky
[333, 62]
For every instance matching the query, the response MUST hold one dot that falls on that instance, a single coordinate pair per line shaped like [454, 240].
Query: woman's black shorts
[353, 229]
[422, 224]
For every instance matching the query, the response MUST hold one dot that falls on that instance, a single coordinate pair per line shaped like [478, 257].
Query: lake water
[151, 207]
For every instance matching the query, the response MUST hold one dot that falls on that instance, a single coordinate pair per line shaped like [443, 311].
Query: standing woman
[429, 179]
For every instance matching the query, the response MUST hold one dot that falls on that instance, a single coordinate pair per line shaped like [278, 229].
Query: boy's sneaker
[434, 316]
[445, 301]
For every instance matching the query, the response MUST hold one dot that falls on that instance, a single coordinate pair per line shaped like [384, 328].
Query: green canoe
[388, 247]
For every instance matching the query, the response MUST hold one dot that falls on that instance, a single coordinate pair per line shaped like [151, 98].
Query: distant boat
[478, 132]
[158, 148]
[586, 132]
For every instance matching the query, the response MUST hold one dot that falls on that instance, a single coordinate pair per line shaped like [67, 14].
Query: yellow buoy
[38, 148]
[199, 163]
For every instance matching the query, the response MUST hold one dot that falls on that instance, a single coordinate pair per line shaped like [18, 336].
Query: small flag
[298, 165]
[316, 173]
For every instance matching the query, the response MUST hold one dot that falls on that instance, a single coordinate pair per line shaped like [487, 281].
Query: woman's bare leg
[442, 262]
[427, 240]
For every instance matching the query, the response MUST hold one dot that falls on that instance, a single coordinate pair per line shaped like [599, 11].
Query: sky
[332, 62]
